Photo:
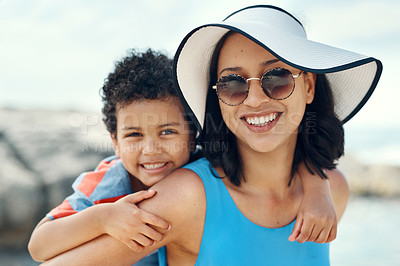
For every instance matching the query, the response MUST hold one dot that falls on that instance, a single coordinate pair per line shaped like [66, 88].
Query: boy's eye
[135, 134]
[168, 132]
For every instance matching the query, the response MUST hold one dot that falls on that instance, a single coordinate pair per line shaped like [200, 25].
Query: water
[368, 233]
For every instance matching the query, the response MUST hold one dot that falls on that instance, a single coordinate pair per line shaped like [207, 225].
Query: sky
[56, 54]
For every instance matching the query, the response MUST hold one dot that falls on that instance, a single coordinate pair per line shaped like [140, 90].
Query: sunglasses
[277, 84]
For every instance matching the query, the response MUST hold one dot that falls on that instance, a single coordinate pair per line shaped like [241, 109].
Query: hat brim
[352, 77]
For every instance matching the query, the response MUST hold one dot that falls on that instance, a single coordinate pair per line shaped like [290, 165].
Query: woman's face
[261, 123]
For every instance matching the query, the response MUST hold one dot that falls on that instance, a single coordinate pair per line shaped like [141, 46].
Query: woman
[275, 99]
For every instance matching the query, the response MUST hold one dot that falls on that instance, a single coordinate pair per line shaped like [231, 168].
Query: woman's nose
[256, 95]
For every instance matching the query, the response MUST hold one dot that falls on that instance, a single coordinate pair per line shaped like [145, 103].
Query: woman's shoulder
[182, 188]
[339, 190]
[180, 199]
[200, 162]
[185, 179]
[337, 181]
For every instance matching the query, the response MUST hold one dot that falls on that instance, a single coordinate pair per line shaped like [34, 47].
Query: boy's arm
[180, 199]
[123, 220]
[70, 227]
[52, 237]
[316, 218]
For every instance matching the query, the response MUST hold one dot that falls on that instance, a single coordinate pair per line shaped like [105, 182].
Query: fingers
[145, 237]
[139, 243]
[296, 229]
[151, 233]
[151, 219]
[145, 230]
[332, 234]
[305, 231]
[315, 233]
[134, 245]
[321, 232]
[143, 241]
[323, 236]
[139, 196]
[147, 221]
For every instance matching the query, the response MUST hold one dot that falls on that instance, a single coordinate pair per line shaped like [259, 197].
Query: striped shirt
[107, 183]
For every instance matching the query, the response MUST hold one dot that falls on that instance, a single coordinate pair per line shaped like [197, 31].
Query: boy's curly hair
[137, 76]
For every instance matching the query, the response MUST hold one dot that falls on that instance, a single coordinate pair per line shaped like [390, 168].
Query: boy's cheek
[115, 144]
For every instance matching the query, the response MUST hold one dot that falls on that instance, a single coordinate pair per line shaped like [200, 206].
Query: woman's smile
[261, 123]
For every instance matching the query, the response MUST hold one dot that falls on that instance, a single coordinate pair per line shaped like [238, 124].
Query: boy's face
[152, 138]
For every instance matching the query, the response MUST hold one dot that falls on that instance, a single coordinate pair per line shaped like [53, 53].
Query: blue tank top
[229, 238]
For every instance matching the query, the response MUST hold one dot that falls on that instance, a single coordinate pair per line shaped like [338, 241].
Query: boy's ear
[115, 143]
[310, 80]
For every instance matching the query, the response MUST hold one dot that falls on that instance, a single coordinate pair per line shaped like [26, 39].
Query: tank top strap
[216, 193]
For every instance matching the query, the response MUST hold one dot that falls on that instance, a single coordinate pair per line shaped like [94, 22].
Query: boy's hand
[315, 222]
[131, 225]
[316, 219]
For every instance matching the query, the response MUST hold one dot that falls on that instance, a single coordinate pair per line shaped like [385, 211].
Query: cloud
[56, 54]
[355, 20]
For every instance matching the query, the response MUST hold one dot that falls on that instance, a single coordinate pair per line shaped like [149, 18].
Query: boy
[151, 138]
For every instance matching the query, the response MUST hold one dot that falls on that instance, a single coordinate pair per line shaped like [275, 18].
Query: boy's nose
[152, 147]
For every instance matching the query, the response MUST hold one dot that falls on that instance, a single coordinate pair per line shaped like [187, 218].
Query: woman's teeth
[261, 120]
[151, 166]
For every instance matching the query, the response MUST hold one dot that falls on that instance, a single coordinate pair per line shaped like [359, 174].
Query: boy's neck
[137, 185]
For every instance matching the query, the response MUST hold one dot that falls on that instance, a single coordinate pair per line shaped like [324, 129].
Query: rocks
[20, 198]
[371, 180]
[42, 152]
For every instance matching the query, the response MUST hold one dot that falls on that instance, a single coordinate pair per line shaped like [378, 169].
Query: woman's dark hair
[320, 139]
[138, 76]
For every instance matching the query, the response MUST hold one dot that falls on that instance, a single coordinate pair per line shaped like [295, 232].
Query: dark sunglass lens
[278, 83]
[232, 89]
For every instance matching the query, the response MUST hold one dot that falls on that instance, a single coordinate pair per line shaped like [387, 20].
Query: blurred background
[55, 55]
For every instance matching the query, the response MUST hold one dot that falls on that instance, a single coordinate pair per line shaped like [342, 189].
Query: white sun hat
[352, 77]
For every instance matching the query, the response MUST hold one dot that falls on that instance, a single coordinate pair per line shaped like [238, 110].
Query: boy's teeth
[262, 120]
[151, 166]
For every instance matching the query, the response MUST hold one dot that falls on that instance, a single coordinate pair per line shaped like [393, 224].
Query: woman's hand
[129, 224]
